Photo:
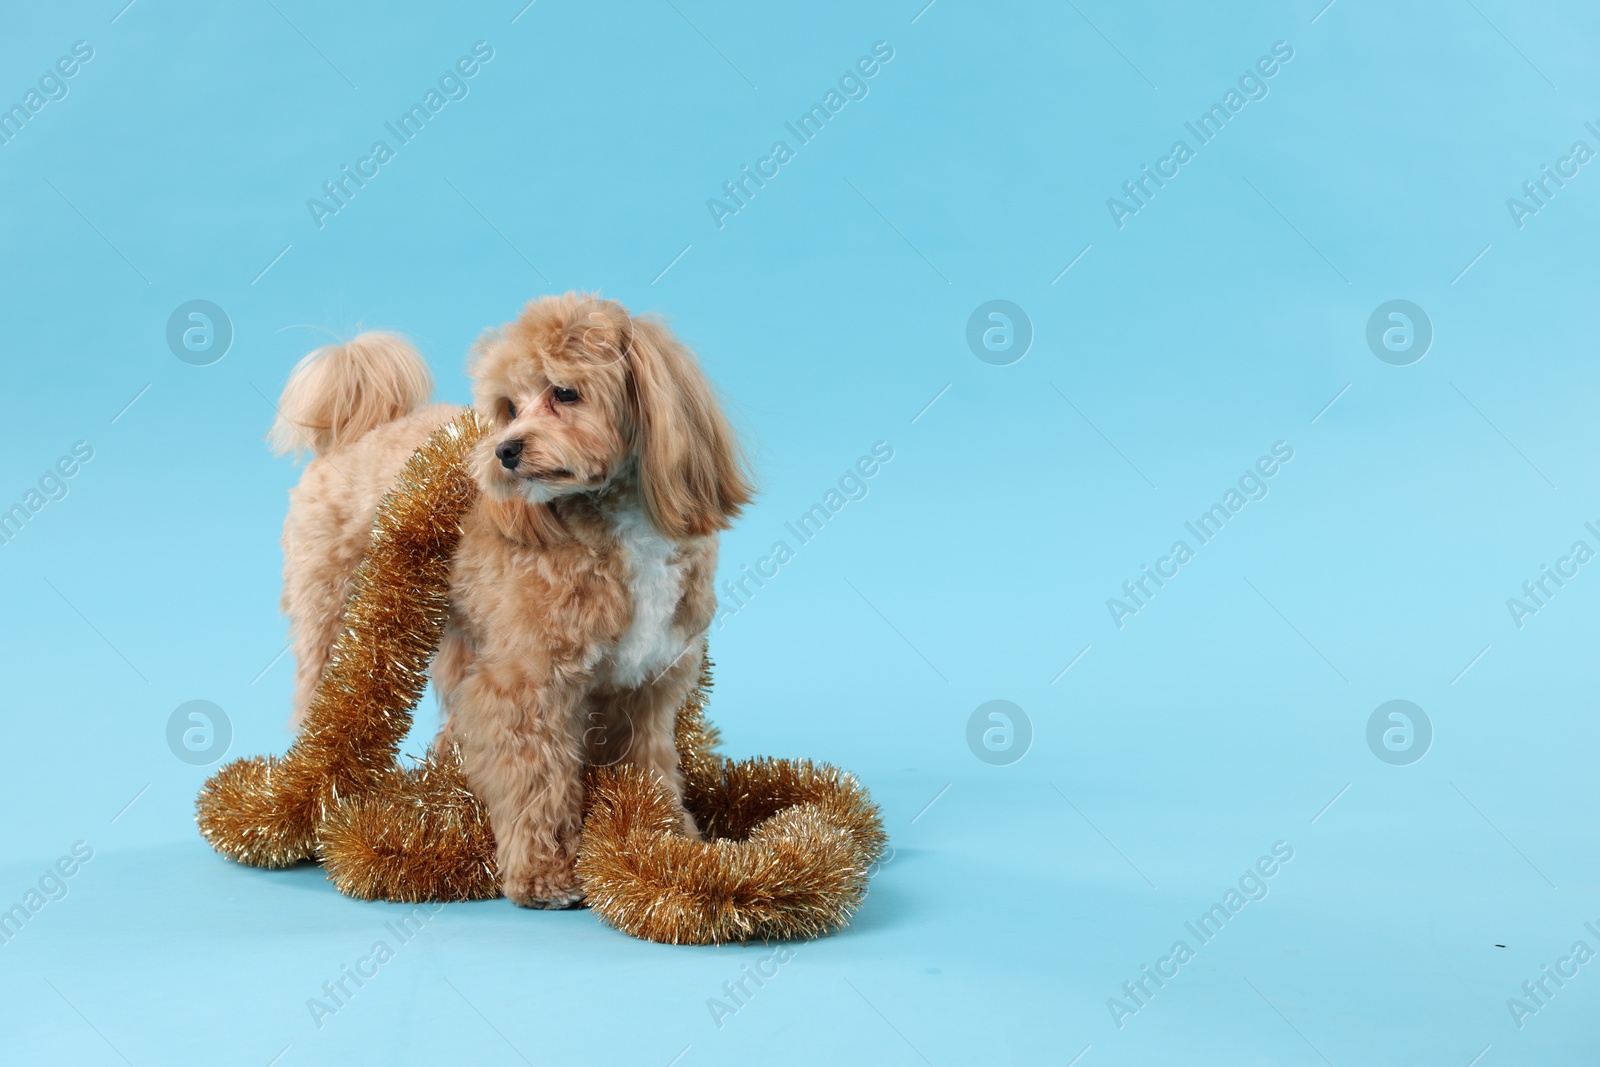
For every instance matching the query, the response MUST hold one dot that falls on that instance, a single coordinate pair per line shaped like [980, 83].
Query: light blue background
[1224, 317]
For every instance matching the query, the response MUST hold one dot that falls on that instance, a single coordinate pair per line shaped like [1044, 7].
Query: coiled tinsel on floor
[789, 843]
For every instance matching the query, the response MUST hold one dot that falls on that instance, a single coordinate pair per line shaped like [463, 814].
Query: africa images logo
[852, 86]
[452, 85]
[1252, 85]
[1252, 485]
[1252, 886]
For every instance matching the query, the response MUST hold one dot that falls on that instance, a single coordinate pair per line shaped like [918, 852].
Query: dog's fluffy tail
[340, 392]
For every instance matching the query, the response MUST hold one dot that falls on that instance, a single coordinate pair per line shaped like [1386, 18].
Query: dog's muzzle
[509, 453]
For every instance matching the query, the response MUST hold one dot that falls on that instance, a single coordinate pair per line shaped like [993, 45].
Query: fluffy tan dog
[582, 588]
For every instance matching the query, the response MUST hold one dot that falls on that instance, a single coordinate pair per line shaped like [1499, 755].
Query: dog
[581, 591]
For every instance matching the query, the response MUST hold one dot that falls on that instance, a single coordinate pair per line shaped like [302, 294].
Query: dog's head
[580, 394]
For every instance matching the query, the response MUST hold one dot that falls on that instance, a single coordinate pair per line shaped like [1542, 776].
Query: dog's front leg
[523, 757]
[641, 730]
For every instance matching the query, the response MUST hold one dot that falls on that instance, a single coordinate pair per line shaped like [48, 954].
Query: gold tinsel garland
[789, 847]
[789, 843]
[266, 811]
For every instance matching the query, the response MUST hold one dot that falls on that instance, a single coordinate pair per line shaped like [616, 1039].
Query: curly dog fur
[582, 588]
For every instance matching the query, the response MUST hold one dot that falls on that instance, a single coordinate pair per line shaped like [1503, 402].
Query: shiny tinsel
[265, 811]
[788, 850]
[418, 835]
[789, 843]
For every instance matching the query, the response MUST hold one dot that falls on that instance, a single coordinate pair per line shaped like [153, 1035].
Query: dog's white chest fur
[650, 643]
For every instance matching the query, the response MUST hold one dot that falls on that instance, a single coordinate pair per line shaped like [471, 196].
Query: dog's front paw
[546, 890]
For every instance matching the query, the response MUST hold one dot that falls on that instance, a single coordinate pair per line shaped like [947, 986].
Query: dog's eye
[564, 395]
[511, 410]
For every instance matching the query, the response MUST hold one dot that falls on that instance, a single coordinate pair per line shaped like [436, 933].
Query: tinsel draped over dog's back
[789, 843]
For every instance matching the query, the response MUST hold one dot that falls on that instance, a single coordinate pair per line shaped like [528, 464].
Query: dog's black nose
[509, 453]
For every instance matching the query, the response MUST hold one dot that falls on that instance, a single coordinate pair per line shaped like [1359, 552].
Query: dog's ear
[691, 469]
